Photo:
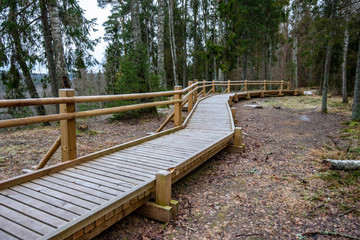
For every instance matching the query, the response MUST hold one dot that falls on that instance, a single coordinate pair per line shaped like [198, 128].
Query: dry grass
[335, 104]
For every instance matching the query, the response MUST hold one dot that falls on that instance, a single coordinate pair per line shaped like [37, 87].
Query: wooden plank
[156, 163]
[77, 187]
[101, 178]
[152, 156]
[19, 231]
[109, 191]
[59, 195]
[76, 193]
[39, 228]
[118, 171]
[95, 179]
[131, 179]
[125, 167]
[24, 209]
[159, 154]
[42, 206]
[127, 164]
[6, 236]
[50, 200]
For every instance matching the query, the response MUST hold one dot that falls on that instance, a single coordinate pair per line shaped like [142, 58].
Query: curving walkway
[79, 199]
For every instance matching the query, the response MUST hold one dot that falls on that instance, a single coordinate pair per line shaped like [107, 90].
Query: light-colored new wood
[163, 188]
[238, 136]
[190, 101]
[177, 108]
[50, 153]
[68, 127]
[156, 211]
[196, 92]
[213, 86]
[228, 87]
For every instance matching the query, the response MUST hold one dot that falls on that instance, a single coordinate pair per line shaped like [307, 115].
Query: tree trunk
[185, 44]
[55, 23]
[49, 52]
[244, 67]
[135, 21]
[296, 83]
[160, 35]
[20, 58]
[343, 164]
[195, 12]
[343, 66]
[270, 63]
[326, 78]
[172, 41]
[356, 103]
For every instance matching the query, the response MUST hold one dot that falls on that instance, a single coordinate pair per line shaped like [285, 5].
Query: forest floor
[278, 189]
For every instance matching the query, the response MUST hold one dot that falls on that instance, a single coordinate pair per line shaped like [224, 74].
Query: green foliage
[14, 89]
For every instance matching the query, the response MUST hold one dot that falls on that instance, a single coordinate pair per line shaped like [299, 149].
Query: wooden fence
[67, 100]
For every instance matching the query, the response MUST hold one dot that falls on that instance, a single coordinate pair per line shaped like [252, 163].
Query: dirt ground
[278, 189]
[272, 191]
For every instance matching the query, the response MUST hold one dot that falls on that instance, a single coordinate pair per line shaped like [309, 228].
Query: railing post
[213, 86]
[228, 86]
[264, 89]
[237, 136]
[204, 89]
[288, 86]
[190, 99]
[163, 188]
[245, 86]
[177, 107]
[195, 92]
[68, 127]
[281, 88]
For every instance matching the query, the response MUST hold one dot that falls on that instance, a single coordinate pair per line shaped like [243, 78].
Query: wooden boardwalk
[79, 199]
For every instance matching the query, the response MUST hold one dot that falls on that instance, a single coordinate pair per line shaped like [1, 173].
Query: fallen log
[348, 165]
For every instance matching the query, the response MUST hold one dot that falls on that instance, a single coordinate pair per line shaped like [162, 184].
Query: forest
[154, 45]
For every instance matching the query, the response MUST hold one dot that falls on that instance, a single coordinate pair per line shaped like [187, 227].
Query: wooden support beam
[236, 99]
[230, 102]
[163, 188]
[213, 86]
[295, 92]
[68, 128]
[237, 145]
[245, 86]
[163, 208]
[190, 100]
[281, 88]
[247, 96]
[195, 92]
[233, 113]
[204, 89]
[228, 89]
[237, 136]
[50, 153]
[177, 108]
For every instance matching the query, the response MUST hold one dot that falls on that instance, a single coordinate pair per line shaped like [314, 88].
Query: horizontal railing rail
[67, 116]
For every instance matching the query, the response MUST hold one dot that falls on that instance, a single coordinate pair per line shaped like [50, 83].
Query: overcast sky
[93, 11]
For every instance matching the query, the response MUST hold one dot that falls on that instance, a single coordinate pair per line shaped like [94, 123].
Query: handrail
[67, 102]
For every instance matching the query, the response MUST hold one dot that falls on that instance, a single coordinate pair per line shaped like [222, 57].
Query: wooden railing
[67, 116]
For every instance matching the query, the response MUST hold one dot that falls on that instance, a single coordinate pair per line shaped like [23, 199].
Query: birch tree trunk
[160, 50]
[296, 83]
[356, 103]
[172, 41]
[343, 66]
[326, 78]
[55, 84]
[55, 23]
